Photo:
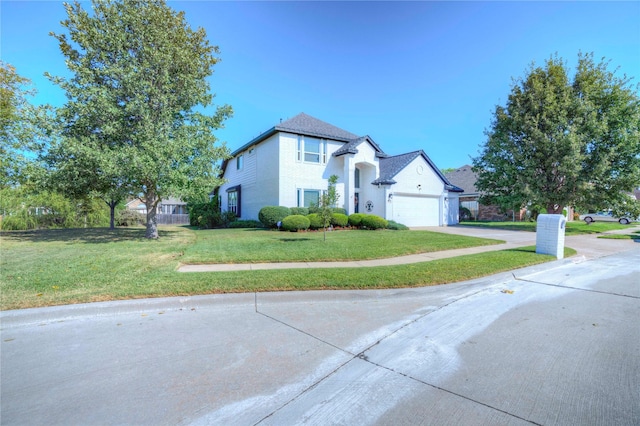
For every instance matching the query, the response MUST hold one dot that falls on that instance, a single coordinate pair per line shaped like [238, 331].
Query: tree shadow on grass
[84, 235]
[292, 240]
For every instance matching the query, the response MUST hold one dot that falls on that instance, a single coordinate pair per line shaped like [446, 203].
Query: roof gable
[351, 147]
[391, 166]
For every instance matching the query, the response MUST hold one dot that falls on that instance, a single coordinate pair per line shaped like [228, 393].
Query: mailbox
[550, 235]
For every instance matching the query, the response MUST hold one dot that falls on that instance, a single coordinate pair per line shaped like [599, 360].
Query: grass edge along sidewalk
[573, 227]
[53, 271]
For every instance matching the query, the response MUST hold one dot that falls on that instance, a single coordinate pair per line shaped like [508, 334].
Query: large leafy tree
[135, 101]
[560, 142]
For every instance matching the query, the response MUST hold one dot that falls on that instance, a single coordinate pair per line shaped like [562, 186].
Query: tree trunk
[554, 209]
[152, 224]
[112, 219]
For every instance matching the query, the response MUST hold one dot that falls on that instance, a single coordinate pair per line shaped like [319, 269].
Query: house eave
[383, 182]
[453, 188]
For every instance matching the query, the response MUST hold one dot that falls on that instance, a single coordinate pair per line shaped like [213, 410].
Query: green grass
[573, 228]
[633, 236]
[43, 268]
[254, 245]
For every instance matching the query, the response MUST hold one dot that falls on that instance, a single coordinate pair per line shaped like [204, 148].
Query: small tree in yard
[134, 104]
[326, 203]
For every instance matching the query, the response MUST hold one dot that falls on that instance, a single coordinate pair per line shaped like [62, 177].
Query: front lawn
[256, 245]
[56, 267]
[573, 227]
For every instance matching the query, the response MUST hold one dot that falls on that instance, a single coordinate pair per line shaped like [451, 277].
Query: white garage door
[416, 211]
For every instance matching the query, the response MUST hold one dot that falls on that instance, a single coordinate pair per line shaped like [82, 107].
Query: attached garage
[416, 209]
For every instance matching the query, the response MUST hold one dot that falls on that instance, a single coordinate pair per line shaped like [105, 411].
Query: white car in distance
[605, 217]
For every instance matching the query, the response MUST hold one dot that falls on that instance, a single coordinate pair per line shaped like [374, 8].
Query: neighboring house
[465, 178]
[290, 164]
[171, 211]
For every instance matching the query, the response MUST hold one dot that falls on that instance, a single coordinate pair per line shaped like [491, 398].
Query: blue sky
[412, 75]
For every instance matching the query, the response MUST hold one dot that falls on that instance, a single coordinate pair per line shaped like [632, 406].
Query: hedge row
[270, 216]
[299, 219]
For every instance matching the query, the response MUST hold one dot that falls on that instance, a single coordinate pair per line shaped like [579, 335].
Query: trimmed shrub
[355, 219]
[339, 210]
[339, 219]
[300, 210]
[395, 226]
[129, 217]
[371, 221]
[295, 223]
[245, 224]
[271, 215]
[208, 215]
[315, 221]
[465, 214]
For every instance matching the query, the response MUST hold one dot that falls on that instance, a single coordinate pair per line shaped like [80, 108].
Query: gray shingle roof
[307, 125]
[465, 178]
[391, 166]
[352, 147]
[301, 124]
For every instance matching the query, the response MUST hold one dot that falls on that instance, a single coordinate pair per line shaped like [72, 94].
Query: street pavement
[554, 344]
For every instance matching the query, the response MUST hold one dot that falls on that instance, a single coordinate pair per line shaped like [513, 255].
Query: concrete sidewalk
[587, 245]
[554, 344]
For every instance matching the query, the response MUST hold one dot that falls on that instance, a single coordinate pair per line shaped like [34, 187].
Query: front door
[356, 207]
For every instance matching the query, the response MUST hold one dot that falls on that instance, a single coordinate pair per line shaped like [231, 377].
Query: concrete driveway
[555, 344]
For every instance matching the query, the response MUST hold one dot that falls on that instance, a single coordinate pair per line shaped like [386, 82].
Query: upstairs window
[324, 152]
[239, 162]
[312, 150]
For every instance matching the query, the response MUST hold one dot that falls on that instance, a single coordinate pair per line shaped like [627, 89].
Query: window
[311, 196]
[239, 162]
[312, 150]
[299, 148]
[324, 152]
[356, 178]
[233, 200]
[308, 197]
[172, 209]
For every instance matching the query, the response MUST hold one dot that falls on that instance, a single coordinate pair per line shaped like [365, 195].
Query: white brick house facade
[290, 164]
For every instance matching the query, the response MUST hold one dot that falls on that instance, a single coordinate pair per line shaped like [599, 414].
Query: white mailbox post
[550, 235]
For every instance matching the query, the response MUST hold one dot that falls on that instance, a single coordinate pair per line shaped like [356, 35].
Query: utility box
[550, 234]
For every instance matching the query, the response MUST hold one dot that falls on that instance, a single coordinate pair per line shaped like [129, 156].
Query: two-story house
[290, 164]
